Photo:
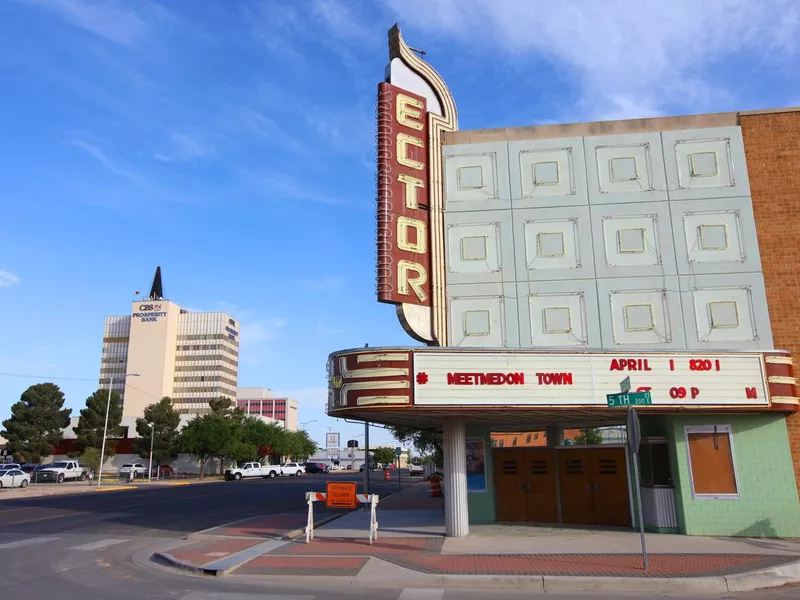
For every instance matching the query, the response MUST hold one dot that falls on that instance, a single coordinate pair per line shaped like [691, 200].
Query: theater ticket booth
[698, 415]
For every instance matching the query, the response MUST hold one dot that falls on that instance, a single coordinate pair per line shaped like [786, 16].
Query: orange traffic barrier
[436, 487]
[387, 475]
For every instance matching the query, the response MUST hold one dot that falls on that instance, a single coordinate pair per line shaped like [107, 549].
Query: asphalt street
[92, 545]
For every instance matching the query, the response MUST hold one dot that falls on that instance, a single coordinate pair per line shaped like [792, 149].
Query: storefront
[544, 265]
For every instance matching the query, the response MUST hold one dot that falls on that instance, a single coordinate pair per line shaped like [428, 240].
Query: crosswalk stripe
[422, 594]
[27, 542]
[98, 545]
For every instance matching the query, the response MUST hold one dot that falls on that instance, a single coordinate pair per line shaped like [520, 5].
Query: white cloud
[630, 58]
[261, 330]
[184, 147]
[263, 126]
[113, 20]
[7, 279]
[282, 186]
[100, 156]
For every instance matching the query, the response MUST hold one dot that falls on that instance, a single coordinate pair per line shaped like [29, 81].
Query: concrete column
[456, 509]
[555, 436]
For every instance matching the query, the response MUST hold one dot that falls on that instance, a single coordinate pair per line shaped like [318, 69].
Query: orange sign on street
[340, 494]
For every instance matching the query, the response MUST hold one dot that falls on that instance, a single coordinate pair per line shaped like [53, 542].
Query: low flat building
[263, 402]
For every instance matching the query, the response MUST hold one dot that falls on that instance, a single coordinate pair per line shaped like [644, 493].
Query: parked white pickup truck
[250, 469]
[416, 469]
[61, 471]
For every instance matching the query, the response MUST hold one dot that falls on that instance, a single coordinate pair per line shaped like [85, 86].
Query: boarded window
[711, 459]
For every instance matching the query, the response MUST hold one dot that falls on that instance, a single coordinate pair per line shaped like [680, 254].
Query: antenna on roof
[157, 289]
[418, 51]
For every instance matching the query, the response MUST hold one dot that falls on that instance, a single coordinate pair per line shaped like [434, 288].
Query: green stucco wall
[768, 505]
[481, 504]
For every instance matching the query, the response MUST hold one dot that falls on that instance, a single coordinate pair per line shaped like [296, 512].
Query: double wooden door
[590, 483]
[526, 485]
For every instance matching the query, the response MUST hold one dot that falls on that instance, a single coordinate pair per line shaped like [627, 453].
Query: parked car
[314, 468]
[11, 478]
[416, 469]
[139, 470]
[250, 469]
[7, 466]
[62, 470]
[161, 471]
[292, 468]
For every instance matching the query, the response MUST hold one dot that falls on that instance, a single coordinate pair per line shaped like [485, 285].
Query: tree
[165, 420]
[91, 458]
[206, 436]
[426, 441]
[589, 437]
[383, 455]
[222, 406]
[37, 420]
[89, 430]
[298, 445]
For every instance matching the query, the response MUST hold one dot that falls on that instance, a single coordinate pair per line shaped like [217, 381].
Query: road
[83, 546]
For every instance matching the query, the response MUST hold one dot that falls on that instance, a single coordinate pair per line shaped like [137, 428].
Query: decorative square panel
[553, 243]
[550, 244]
[713, 237]
[479, 247]
[631, 240]
[476, 177]
[557, 319]
[547, 172]
[482, 315]
[705, 163]
[625, 168]
[470, 178]
[724, 314]
[474, 248]
[476, 322]
[640, 317]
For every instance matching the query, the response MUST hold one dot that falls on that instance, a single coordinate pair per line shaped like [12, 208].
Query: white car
[416, 469]
[10, 466]
[11, 478]
[62, 470]
[139, 470]
[293, 468]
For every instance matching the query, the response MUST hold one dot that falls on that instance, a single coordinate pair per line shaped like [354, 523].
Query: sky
[232, 142]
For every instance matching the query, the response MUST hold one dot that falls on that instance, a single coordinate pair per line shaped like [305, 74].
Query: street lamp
[150, 466]
[105, 426]
[307, 422]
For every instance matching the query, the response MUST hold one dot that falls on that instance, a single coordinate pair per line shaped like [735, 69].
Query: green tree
[89, 430]
[34, 428]
[205, 437]
[221, 406]
[91, 458]
[298, 445]
[425, 441]
[165, 420]
[258, 438]
[383, 455]
[589, 437]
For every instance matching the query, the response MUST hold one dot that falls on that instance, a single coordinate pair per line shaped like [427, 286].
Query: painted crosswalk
[27, 542]
[98, 545]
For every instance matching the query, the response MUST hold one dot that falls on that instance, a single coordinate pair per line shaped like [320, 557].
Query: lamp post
[307, 422]
[105, 426]
[150, 466]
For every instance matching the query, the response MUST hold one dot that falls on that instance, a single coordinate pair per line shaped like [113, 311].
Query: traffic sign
[630, 399]
[625, 385]
[340, 494]
[398, 451]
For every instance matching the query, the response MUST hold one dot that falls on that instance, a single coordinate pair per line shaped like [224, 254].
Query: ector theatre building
[542, 266]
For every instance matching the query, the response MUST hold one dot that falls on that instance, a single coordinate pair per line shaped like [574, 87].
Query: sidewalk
[38, 490]
[412, 551]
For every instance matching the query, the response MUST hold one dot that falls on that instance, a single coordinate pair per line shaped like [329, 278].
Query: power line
[48, 377]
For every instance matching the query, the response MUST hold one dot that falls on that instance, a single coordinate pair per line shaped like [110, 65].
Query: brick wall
[772, 147]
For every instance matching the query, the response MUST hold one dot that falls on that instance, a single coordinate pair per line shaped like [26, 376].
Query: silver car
[11, 478]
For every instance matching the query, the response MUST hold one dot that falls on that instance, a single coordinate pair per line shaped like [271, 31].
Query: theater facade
[543, 267]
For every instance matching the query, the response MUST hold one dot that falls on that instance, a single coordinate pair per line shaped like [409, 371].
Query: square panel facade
[642, 240]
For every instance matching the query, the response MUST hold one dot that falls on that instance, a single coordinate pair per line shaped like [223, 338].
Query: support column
[456, 509]
[555, 436]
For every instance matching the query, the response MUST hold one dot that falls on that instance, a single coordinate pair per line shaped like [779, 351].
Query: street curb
[116, 488]
[296, 533]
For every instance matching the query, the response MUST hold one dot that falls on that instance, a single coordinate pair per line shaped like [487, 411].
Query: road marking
[28, 542]
[239, 558]
[99, 545]
[422, 594]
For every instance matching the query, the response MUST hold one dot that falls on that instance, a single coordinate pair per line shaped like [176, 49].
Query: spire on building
[156, 290]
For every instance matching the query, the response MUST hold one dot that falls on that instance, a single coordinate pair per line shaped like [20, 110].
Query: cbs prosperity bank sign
[411, 123]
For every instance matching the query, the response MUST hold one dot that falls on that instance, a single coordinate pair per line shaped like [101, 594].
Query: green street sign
[630, 399]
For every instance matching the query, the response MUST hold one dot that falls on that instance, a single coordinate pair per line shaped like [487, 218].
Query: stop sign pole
[634, 441]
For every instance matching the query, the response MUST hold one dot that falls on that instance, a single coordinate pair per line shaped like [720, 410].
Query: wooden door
[540, 490]
[609, 484]
[509, 475]
[574, 477]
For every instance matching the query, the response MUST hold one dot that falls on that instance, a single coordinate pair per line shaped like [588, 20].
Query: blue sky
[231, 142]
